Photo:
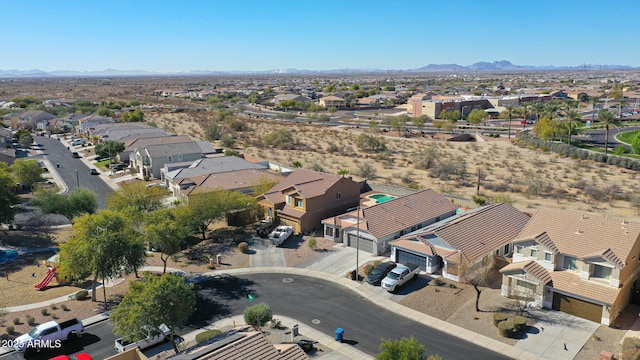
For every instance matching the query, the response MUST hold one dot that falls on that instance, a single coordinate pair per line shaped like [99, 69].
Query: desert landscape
[506, 171]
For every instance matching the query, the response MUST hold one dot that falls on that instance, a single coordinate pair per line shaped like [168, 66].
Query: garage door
[577, 307]
[294, 224]
[404, 257]
[365, 244]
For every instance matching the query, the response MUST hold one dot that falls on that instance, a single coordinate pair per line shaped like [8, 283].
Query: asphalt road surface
[73, 171]
[97, 340]
[326, 306]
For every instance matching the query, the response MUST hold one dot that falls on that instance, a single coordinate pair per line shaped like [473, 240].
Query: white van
[77, 142]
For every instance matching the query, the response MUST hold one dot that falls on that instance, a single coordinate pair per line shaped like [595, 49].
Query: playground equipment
[47, 279]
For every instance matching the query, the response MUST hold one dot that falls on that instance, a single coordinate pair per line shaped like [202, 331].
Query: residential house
[332, 101]
[242, 343]
[131, 144]
[294, 97]
[28, 119]
[305, 197]
[148, 160]
[583, 264]
[8, 153]
[241, 181]
[178, 176]
[375, 226]
[462, 244]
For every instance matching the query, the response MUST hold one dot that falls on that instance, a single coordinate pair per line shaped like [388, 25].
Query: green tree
[420, 121]
[109, 149]
[537, 108]
[154, 301]
[100, 245]
[253, 98]
[343, 172]
[25, 141]
[371, 143]
[547, 129]
[508, 114]
[213, 206]
[278, 138]
[398, 123]
[265, 183]
[572, 118]
[635, 144]
[403, 349]
[258, 315]
[162, 231]
[608, 120]
[8, 198]
[132, 116]
[26, 172]
[476, 116]
[104, 111]
[136, 196]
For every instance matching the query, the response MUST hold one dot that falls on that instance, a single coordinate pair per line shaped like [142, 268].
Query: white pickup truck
[48, 335]
[400, 275]
[152, 337]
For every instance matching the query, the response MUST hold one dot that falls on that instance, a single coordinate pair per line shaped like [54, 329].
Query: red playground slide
[47, 279]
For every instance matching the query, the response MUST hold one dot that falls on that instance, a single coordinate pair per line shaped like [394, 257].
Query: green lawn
[627, 136]
[102, 163]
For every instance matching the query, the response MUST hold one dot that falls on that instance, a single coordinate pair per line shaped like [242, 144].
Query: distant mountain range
[496, 66]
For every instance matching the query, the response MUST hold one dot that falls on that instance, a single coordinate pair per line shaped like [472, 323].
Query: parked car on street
[93, 171]
[280, 234]
[153, 336]
[49, 334]
[380, 272]
[75, 155]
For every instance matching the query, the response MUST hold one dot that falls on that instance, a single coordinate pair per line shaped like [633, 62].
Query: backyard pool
[380, 198]
[7, 255]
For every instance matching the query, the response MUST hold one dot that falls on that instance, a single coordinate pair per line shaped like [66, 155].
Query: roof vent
[578, 231]
[624, 222]
[584, 216]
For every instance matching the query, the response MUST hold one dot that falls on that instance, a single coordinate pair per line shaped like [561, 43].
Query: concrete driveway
[265, 254]
[556, 335]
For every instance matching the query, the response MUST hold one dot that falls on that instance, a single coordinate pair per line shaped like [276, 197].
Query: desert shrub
[332, 148]
[479, 200]
[519, 323]
[377, 262]
[371, 143]
[54, 307]
[368, 269]
[452, 286]
[499, 317]
[44, 312]
[620, 150]
[31, 320]
[631, 348]
[439, 282]
[10, 329]
[278, 138]
[275, 323]
[506, 328]
[64, 307]
[5, 337]
[206, 335]
[82, 295]
[16, 321]
[366, 171]
[426, 158]
[313, 243]
[243, 247]
[227, 140]
[446, 169]
[54, 316]
[257, 315]
[317, 167]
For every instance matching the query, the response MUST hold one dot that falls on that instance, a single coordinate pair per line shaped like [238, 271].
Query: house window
[526, 284]
[328, 231]
[169, 158]
[601, 272]
[269, 212]
[570, 263]
[289, 199]
[506, 249]
[547, 256]
[338, 195]
[519, 249]
[180, 157]
[299, 202]
[534, 253]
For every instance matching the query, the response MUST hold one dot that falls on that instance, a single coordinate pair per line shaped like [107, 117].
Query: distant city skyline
[170, 36]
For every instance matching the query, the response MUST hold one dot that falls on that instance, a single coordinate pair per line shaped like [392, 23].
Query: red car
[81, 356]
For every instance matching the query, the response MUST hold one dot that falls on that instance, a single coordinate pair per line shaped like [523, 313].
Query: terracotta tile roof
[582, 234]
[543, 239]
[233, 180]
[414, 245]
[607, 255]
[483, 230]
[570, 282]
[166, 139]
[404, 212]
[530, 267]
[307, 183]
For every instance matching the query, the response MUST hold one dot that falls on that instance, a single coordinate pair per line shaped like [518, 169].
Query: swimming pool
[380, 198]
[7, 255]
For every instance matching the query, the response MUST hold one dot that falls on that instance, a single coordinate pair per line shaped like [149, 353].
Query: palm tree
[537, 108]
[572, 116]
[343, 172]
[607, 119]
[525, 113]
[552, 108]
[509, 112]
[622, 103]
[593, 101]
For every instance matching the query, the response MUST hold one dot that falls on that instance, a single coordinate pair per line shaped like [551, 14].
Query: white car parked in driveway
[280, 234]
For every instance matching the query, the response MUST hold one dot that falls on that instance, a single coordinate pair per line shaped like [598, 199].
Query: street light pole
[357, 241]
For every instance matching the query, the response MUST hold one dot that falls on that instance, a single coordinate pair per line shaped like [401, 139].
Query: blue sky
[169, 36]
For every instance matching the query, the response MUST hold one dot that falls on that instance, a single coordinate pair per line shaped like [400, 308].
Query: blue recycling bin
[339, 334]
